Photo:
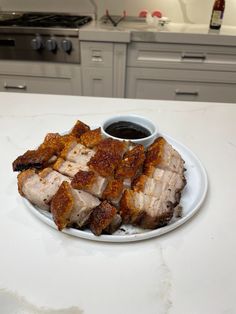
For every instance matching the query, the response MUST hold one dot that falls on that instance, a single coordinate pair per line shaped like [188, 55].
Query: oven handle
[22, 87]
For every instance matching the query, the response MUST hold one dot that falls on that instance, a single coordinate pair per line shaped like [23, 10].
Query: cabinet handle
[186, 56]
[6, 86]
[193, 93]
[97, 59]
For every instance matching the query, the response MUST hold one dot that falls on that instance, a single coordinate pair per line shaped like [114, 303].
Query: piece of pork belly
[107, 157]
[33, 159]
[113, 191]
[172, 184]
[57, 141]
[39, 188]
[162, 155]
[68, 168]
[131, 163]
[77, 152]
[103, 216]
[79, 128]
[90, 182]
[71, 207]
[144, 210]
[91, 138]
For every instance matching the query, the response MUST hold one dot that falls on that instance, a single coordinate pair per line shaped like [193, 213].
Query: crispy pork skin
[114, 224]
[79, 128]
[72, 207]
[89, 181]
[39, 188]
[33, 159]
[107, 157]
[131, 163]
[156, 192]
[162, 155]
[113, 191]
[91, 138]
[101, 217]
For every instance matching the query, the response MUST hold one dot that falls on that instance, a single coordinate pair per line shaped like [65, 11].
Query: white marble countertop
[135, 30]
[189, 270]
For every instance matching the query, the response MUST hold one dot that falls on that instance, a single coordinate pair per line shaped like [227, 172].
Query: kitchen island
[189, 270]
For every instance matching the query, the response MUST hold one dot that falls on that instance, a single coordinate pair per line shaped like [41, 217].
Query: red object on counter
[157, 14]
[143, 13]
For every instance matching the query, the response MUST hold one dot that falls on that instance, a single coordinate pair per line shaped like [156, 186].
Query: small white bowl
[142, 121]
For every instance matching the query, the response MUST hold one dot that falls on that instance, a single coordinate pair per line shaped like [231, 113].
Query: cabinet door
[181, 85]
[36, 77]
[97, 82]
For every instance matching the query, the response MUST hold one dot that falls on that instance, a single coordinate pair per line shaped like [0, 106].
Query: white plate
[192, 198]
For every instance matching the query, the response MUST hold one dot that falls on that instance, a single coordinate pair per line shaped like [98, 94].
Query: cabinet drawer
[182, 56]
[45, 85]
[152, 84]
[96, 54]
[40, 77]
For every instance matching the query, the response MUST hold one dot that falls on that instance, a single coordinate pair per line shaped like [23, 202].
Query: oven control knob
[51, 44]
[36, 43]
[66, 45]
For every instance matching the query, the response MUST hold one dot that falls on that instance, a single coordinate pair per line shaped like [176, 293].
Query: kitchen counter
[136, 30]
[189, 270]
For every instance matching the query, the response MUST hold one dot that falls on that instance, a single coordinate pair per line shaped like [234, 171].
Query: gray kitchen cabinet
[40, 77]
[181, 72]
[103, 69]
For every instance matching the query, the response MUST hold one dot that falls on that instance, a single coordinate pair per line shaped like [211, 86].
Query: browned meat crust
[83, 180]
[33, 159]
[128, 211]
[113, 146]
[114, 224]
[107, 157]
[139, 183]
[67, 147]
[62, 205]
[131, 162]
[155, 152]
[101, 217]
[162, 155]
[91, 138]
[113, 190]
[79, 128]
[53, 140]
[104, 162]
[58, 163]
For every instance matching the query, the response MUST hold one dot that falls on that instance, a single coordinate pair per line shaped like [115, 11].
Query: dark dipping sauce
[127, 130]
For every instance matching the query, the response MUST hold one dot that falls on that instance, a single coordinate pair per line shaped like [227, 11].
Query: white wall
[191, 11]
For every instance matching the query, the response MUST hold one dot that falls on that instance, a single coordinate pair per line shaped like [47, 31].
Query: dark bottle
[217, 14]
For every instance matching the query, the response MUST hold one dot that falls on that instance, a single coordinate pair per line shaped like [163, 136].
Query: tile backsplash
[189, 11]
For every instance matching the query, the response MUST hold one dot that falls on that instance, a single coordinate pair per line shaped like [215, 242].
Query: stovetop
[44, 20]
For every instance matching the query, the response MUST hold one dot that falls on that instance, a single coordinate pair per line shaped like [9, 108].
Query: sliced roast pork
[39, 188]
[163, 156]
[144, 210]
[68, 168]
[89, 181]
[156, 193]
[72, 207]
[104, 218]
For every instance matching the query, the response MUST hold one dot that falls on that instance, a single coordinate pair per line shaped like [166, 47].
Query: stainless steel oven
[41, 37]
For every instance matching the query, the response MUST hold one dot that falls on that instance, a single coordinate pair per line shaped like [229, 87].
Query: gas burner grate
[47, 20]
